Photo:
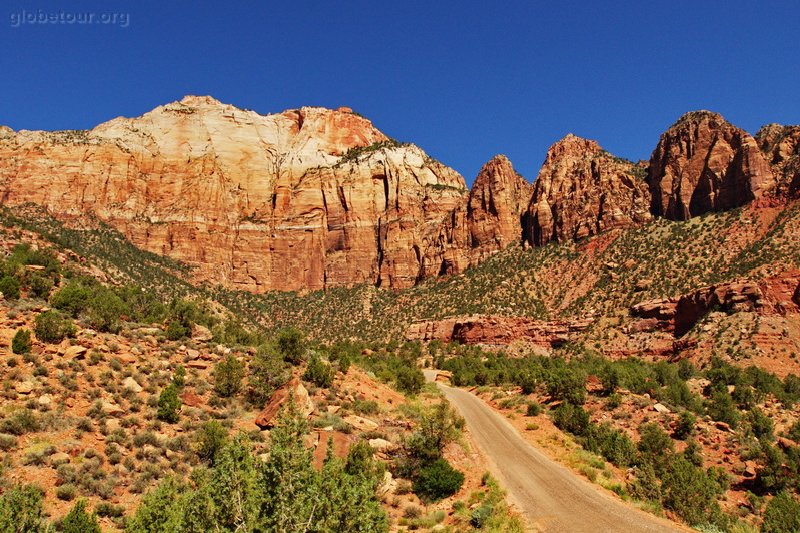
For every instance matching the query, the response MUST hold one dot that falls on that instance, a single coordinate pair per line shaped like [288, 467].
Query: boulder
[293, 389]
[201, 333]
[360, 423]
[75, 352]
[132, 385]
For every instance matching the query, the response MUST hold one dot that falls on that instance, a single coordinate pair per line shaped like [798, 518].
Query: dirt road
[551, 497]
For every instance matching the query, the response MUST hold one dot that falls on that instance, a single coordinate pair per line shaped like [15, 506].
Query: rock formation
[305, 199]
[583, 190]
[781, 145]
[680, 314]
[497, 202]
[497, 330]
[703, 163]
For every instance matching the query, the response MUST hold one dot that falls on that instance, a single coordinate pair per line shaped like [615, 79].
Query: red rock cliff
[583, 190]
[304, 199]
[703, 163]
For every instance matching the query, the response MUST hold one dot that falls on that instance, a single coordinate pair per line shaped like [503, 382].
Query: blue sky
[464, 80]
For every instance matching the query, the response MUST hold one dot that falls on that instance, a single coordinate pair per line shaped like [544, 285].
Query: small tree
[79, 521]
[685, 426]
[291, 344]
[438, 480]
[21, 510]
[409, 380]
[52, 327]
[40, 286]
[318, 372]
[105, 310]
[782, 515]
[179, 376]
[21, 343]
[228, 376]
[267, 372]
[209, 439]
[9, 286]
[169, 404]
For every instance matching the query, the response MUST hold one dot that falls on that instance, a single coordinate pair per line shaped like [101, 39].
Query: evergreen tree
[21, 510]
[79, 521]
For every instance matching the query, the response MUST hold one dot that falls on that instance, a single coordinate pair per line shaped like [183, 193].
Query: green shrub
[611, 443]
[437, 480]
[782, 515]
[176, 331]
[567, 385]
[209, 439]
[52, 327]
[318, 372]
[685, 425]
[21, 510]
[655, 446]
[409, 380]
[228, 375]
[74, 297]
[533, 409]
[169, 404]
[40, 286]
[105, 309]
[21, 343]
[690, 492]
[761, 424]
[571, 418]
[66, 492]
[722, 408]
[267, 372]
[291, 345]
[9, 287]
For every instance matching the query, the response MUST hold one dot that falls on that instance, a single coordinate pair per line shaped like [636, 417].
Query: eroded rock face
[781, 145]
[680, 314]
[703, 163]
[497, 202]
[305, 199]
[583, 190]
[497, 330]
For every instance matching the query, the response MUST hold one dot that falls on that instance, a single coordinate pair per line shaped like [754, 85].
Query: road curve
[552, 498]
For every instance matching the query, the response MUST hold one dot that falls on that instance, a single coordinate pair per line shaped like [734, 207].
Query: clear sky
[464, 80]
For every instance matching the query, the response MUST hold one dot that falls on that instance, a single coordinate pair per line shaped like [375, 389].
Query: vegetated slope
[601, 276]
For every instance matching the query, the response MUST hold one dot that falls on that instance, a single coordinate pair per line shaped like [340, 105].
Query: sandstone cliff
[583, 190]
[703, 163]
[304, 199]
[781, 145]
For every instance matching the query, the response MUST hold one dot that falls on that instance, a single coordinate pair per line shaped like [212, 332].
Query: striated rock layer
[781, 145]
[497, 330]
[583, 190]
[703, 163]
[305, 199]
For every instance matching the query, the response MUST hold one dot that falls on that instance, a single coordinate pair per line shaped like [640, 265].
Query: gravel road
[552, 498]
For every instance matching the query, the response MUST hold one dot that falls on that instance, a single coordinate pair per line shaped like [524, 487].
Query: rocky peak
[781, 146]
[583, 190]
[304, 199]
[703, 163]
[572, 146]
[498, 198]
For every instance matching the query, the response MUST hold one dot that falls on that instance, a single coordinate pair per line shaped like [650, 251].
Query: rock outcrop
[583, 190]
[496, 204]
[294, 391]
[305, 199]
[497, 330]
[781, 145]
[703, 163]
[680, 314]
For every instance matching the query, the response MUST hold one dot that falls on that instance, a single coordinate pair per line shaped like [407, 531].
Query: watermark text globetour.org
[41, 17]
